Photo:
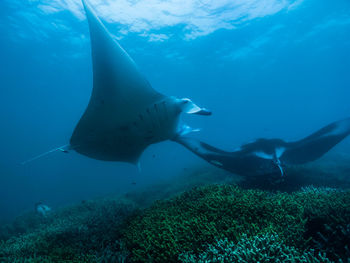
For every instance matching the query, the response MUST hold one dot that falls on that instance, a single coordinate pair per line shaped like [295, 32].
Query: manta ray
[270, 156]
[125, 114]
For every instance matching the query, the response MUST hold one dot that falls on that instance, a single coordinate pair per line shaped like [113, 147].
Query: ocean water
[266, 69]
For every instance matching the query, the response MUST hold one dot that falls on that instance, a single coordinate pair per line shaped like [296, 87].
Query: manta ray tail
[63, 148]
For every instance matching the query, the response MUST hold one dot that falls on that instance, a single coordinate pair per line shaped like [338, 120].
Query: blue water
[265, 68]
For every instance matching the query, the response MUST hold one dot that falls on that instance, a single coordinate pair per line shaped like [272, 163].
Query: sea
[265, 69]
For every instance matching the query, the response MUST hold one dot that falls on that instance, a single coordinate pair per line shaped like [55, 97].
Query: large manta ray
[125, 114]
[269, 156]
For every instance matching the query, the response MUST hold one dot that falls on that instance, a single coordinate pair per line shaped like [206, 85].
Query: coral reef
[210, 223]
[263, 248]
[186, 223]
[24, 223]
[334, 241]
[204, 214]
[328, 214]
[184, 182]
[86, 232]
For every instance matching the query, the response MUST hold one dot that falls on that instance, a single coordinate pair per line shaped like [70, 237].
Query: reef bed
[211, 223]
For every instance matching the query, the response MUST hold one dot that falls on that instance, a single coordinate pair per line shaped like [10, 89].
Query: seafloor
[200, 216]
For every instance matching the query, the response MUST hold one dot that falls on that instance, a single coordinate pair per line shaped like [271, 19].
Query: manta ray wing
[238, 162]
[117, 122]
[317, 144]
[267, 156]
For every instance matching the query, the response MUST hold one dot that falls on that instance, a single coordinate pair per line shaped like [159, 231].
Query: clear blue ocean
[265, 69]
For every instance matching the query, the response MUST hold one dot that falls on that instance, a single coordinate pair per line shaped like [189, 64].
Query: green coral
[204, 214]
[264, 248]
[328, 225]
[80, 233]
[217, 221]
[24, 223]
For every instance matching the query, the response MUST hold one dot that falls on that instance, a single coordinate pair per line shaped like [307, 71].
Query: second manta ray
[269, 156]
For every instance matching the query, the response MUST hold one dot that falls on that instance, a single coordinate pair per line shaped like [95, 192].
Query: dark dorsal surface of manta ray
[125, 114]
[269, 156]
